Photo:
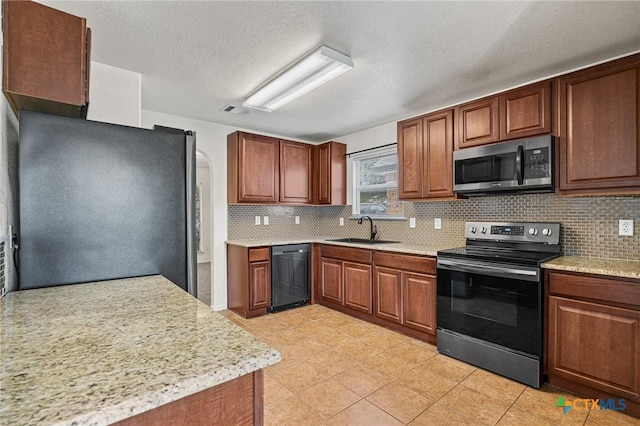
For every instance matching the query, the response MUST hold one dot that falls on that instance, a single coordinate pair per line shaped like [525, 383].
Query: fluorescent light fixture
[312, 71]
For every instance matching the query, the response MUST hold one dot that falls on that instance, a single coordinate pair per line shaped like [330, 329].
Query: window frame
[355, 176]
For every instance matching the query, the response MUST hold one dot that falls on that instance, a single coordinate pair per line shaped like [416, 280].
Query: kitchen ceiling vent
[233, 109]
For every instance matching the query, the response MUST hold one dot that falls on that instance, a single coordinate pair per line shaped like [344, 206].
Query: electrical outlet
[437, 223]
[412, 222]
[342, 221]
[257, 222]
[297, 220]
[265, 220]
[10, 236]
[625, 227]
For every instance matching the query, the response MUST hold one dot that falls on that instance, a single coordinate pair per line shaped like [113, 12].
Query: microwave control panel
[536, 163]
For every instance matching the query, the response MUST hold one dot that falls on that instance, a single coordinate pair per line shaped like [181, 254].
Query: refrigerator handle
[190, 141]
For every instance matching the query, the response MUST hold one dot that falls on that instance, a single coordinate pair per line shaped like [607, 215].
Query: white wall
[211, 140]
[203, 176]
[114, 95]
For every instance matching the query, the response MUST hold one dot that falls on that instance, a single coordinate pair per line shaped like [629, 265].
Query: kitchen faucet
[373, 228]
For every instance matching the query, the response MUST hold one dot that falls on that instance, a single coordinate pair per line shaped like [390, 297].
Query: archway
[204, 225]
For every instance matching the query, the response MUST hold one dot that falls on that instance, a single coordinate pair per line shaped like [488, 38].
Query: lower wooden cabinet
[357, 286]
[406, 291]
[419, 305]
[388, 287]
[248, 280]
[345, 278]
[237, 402]
[593, 336]
[259, 285]
[393, 290]
[330, 282]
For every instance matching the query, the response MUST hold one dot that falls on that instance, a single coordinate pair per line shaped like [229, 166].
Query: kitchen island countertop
[96, 353]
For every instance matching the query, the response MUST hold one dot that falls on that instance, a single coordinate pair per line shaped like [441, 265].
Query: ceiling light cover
[314, 70]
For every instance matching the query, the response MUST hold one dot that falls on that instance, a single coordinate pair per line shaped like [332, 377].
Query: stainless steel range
[490, 297]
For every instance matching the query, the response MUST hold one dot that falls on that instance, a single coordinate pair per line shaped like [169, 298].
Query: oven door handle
[485, 269]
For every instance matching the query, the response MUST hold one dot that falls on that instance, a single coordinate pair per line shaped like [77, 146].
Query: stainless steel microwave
[521, 165]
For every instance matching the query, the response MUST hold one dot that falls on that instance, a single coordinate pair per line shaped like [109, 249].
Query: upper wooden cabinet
[425, 156]
[296, 164]
[518, 113]
[525, 111]
[46, 59]
[598, 128]
[253, 164]
[332, 173]
[410, 159]
[478, 122]
[266, 170]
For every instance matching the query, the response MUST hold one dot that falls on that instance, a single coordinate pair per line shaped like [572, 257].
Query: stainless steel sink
[360, 241]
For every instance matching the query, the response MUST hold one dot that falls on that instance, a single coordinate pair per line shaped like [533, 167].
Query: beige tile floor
[338, 370]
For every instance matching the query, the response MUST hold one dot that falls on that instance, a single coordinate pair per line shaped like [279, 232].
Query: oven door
[495, 303]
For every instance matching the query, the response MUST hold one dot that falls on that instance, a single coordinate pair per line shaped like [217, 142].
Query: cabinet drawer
[422, 264]
[259, 254]
[346, 253]
[589, 287]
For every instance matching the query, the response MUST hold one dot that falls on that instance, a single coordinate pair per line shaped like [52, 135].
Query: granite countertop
[431, 250]
[598, 266]
[587, 265]
[93, 354]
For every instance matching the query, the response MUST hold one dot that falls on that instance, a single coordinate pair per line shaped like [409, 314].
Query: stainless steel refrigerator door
[100, 201]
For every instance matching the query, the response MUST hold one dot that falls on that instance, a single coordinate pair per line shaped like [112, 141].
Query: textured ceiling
[410, 57]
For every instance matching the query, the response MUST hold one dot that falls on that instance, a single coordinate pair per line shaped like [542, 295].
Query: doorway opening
[203, 227]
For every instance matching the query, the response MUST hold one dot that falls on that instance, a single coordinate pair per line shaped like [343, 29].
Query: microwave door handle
[520, 165]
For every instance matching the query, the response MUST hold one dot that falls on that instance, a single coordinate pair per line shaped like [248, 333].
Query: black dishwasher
[290, 276]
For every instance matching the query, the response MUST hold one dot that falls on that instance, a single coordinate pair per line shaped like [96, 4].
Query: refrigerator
[101, 201]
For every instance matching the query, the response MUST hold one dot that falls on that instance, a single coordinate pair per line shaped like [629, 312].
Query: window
[375, 184]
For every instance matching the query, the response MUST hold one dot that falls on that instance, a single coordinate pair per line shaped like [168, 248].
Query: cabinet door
[324, 174]
[419, 293]
[331, 280]
[388, 284]
[357, 286]
[332, 173]
[259, 285]
[525, 111]
[258, 166]
[46, 67]
[295, 172]
[598, 131]
[477, 123]
[596, 345]
[437, 151]
[410, 159]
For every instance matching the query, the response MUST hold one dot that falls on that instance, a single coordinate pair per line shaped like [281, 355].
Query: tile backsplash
[241, 221]
[589, 224]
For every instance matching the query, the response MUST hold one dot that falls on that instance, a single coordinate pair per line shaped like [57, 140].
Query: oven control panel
[507, 230]
[541, 232]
